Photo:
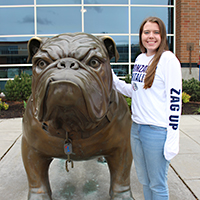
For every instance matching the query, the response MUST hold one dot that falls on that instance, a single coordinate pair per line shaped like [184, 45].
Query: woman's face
[151, 38]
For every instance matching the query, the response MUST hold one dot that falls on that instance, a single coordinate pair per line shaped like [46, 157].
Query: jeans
[147, 143]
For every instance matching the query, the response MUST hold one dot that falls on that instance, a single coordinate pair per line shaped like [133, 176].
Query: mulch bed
[16, 109]
[191, 108]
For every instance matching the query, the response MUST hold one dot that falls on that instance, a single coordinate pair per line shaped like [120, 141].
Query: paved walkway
[90, 179]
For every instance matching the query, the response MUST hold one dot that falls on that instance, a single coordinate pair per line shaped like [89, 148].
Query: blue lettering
[174, 99]
[133, 76]
[142, 78]
[174, 126]
[175, 91]
[173, 118]
[139, 68]
[138, 76]
[174, 107]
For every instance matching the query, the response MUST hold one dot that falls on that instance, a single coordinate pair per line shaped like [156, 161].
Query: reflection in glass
[154, 2]
[3, 73]
[144, 12]
[58, 2]
[170, 40]
[13, 52]
[2, 84]
[58, 20]
[120, 70]
[122, 48]
[106, 1]
[16, 21]
[14, 39]
[135, 48]
[18, 2]
[106, 19]
[12, 71]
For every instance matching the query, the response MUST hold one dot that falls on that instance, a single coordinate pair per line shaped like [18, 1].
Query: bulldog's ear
[111, 47]
[33, 46]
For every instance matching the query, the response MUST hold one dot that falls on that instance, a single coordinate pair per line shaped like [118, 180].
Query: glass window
[135, 48]
[58, 20]
[106, 1]
[170, 40]
[154, 2]
[100, 19]
[138, 14]
[122, 48]
[10, 72]
[16, 21]
[14, 39]
[58, 2]
[13, 51]
[120, 70]
[18, 2]
[2, 84]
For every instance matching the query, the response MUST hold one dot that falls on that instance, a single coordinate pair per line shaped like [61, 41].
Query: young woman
[156, 91]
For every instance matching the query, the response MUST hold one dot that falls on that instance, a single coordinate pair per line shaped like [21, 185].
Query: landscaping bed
[16, 109]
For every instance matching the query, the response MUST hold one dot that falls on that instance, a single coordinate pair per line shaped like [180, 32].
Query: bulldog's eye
[94, 62]
[42, 64]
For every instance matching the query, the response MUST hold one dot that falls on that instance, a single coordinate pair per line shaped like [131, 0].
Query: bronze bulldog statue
[74, 113]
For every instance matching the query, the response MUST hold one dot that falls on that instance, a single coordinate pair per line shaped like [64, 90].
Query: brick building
[188, 36]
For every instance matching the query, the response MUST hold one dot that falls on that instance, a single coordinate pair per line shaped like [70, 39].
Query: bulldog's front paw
[38, 194]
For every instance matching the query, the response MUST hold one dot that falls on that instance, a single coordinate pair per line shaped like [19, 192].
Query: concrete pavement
[90, 179]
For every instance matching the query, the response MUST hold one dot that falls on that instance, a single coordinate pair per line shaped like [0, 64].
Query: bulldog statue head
[72, 74]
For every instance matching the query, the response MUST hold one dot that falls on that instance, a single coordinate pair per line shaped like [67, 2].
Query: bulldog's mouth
[66, 104]
[61, 97]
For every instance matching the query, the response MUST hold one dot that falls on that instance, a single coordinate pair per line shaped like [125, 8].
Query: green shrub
[128, 100]
[197, 111]
[18, 89]
[3, 105]
[192, 87]
[185, 97]
[25, 103]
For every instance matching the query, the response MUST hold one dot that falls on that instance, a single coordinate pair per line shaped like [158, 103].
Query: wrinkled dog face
[72, 79]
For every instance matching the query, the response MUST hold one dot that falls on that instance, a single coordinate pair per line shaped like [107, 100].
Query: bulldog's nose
[69, 64]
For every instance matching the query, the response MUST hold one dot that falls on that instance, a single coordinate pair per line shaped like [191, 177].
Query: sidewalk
[90, 179]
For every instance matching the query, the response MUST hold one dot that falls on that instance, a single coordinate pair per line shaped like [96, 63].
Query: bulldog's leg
[120, 165]
[37, 172]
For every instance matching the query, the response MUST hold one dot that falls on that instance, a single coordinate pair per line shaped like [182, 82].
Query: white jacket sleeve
[121, 86]
[173, 81]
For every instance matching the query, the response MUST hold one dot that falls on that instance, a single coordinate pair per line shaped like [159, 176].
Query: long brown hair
[151, 70]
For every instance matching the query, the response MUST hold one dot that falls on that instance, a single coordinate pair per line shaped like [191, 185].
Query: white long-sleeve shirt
[159, 105]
